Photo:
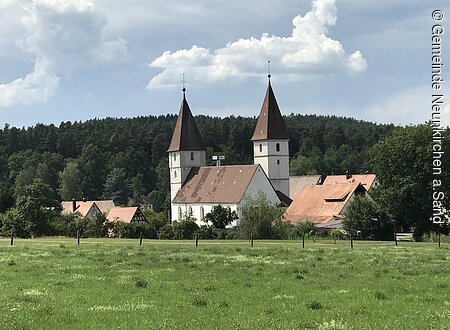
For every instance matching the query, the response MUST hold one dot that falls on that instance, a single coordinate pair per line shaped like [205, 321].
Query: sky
[74, 60]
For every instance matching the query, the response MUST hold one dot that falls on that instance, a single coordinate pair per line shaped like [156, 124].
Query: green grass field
[116, 284]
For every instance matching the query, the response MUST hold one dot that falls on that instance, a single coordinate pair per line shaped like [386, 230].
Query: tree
[220, 217]
[403, 165]
[70, 178]
[117, 186]
[38, 208]
[363, 216]
[257, 217]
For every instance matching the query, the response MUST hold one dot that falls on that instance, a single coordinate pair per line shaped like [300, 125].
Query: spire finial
[183, 81]
[268, 69]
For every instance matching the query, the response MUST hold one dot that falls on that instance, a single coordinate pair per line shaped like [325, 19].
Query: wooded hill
[126, 159]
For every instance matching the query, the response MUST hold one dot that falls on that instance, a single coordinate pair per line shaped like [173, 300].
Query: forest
[126, 158]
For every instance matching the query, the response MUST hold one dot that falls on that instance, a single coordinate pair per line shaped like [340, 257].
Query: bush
[132, 230]
[166, 232]
[185, 229]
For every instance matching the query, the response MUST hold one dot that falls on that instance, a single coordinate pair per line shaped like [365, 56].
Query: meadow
[117, 284]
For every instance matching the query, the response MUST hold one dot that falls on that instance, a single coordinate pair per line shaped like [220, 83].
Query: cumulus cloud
[307, 50]
[61, 35]
[408, 106]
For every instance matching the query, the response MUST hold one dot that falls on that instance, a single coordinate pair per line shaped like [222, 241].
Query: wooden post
[439, 238]
[196, 240]
[303, 240]
[251, 240]
[351, 241]
[12, 237]
[78, 237]
[395, 235]
[140, 239]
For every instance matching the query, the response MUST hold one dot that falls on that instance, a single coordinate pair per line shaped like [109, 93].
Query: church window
[174, 157]
[190, 210]
[202, 213]
[179, 213]
[278, 147]
[192, 156]
[174, 174]
[229, 209]
[260, 147]
[278, 162]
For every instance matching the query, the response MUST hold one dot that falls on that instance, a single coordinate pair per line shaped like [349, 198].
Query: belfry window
[192, 156]
[278, 162]
[278, 147]
[260, 147]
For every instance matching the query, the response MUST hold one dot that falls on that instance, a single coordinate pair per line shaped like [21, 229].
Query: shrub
[166, 232]
[314, 304]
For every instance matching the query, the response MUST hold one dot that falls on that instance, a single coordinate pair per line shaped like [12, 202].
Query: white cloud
[409, 106]
[308, 49]
[62, 35]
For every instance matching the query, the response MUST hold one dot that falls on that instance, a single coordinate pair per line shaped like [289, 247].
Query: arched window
[260, 147]
[202, 213]
[179, 213]
[190, 210]
[278, 162]
[192, 156]
[228, 209]
[278, 147]
[174, 157]
[175, 174]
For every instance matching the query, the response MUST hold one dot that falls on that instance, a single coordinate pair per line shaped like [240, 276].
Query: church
[195, 189]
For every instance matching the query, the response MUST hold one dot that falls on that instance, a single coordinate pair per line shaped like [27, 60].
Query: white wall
[180, 164]
[275, 163]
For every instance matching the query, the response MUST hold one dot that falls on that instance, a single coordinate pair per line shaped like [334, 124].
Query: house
[369, 180]
[296, 183]
[324, 205]
[196, 188]
[105, 205]
[87, 209]
[126, 214]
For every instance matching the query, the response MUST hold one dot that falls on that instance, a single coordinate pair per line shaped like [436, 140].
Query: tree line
[126, 158]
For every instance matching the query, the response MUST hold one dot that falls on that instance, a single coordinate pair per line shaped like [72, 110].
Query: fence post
[12, 237]
[303, 240]
[395, 235]
[196, 240]
[251, 240]
[140, 239]
[351, 241]
[439, 238]
[78, 237]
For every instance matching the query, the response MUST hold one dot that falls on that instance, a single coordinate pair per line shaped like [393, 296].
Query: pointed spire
[185, 135]
[270, 124]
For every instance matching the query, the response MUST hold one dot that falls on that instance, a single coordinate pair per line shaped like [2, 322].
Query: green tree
[258, 215]
[117, 186]
[70, 178]
[403, 165]
[365, 218]
[220, 217]
[38, 208]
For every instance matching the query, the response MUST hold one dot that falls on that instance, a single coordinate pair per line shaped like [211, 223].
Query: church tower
[186, 148]
[271, 143]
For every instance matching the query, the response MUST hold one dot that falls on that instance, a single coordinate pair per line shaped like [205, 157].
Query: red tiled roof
[320, 203]
[81, 207]
[125, 214]
[366, 180]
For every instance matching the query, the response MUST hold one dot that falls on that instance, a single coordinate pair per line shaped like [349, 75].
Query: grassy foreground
[115, 284]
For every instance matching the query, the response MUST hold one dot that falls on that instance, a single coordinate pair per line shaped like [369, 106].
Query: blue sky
[79, 59]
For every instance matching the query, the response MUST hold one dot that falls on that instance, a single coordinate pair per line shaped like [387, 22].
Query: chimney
[74, 204]
[347, 175]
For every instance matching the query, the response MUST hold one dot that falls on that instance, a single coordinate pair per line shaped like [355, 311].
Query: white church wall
[195, 211]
